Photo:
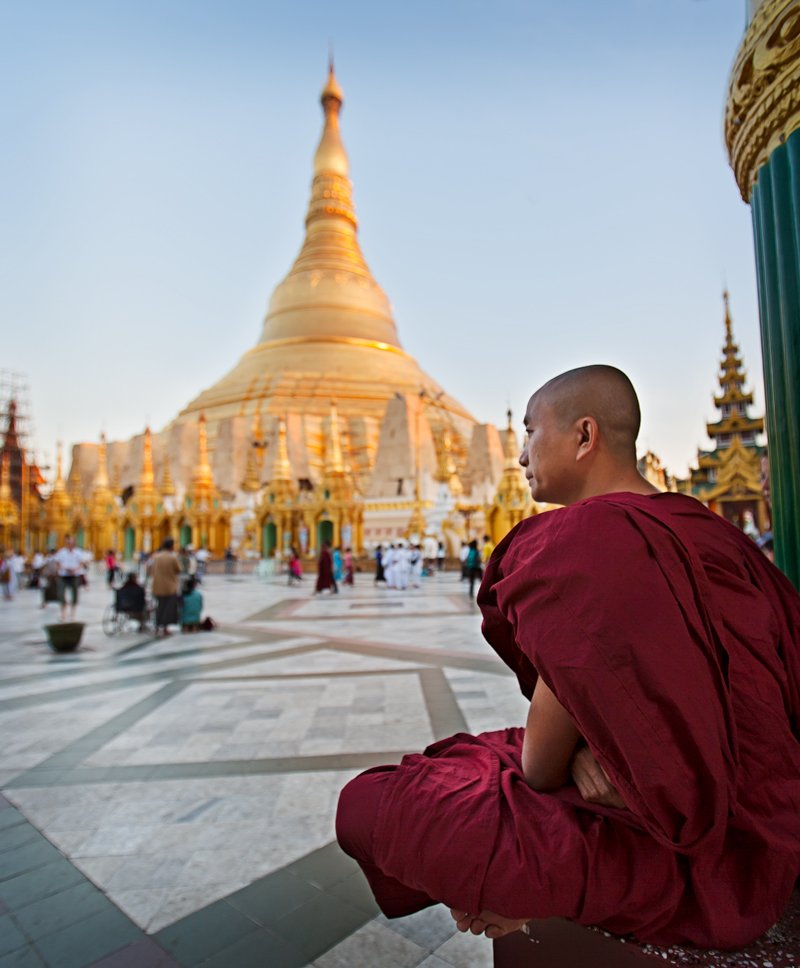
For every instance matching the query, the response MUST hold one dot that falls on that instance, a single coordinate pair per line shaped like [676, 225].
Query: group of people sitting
[178, 600]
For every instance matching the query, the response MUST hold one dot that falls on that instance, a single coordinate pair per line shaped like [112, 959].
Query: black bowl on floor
[65, 636]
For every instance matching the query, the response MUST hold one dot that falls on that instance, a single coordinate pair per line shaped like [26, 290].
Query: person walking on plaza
[295, 568]
[486, 549]
[389, 564]
[8, 575]
[37, 563]
[348, 567]
[338, 571]
[325, 577]
[165, 571]
[49, 579]
[111, 567]
[472, 565]
[440, 556]
[70, 570]
[379, 572]
[201, 555]
[462, 555]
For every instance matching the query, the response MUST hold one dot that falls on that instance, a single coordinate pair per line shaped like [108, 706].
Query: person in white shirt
[8, 575]
[70, 567]
[402, 566]
[37, 563]
[389, 566]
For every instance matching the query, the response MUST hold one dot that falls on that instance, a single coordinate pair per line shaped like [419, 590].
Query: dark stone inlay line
[289, 917]
[439, 658]
[184, 672]
[111, 663]
[443, 709]
[58, 916]
[321, 763]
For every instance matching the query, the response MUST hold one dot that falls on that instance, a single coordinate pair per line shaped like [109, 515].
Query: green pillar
[776, 222]
[762, 132]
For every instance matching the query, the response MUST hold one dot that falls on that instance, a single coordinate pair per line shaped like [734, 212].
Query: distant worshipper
[325, 577]
[655, 788]
[191, 607]
[130, 598]
[165, 571]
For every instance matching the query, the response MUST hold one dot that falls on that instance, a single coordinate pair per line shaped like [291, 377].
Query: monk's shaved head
[598, 391]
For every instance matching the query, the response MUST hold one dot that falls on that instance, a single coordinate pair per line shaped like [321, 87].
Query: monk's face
[549, 454]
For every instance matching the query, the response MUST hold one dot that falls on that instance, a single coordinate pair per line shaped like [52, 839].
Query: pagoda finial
[147, 478]
[101, 476]
[331, 158]
[728, 323]
[58, 485]
[510, 444]
[167, 483]
[202, 473]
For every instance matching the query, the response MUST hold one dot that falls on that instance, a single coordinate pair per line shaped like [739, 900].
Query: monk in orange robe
[655, 787]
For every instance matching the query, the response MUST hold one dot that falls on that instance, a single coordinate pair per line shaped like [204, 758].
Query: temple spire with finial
[202, 473]
[147, 478]
[167, 483]
[101, 482]
[282, 469]
[733, 402]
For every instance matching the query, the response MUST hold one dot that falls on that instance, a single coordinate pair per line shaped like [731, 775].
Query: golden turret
[9, 515]
[147, 478]
[512, 500]
[167, 487]
[202, 476]
[101, 487]
[58, 502]
[252, 478]
[282, 469]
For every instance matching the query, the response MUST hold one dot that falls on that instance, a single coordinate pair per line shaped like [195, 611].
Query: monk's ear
[588, 437]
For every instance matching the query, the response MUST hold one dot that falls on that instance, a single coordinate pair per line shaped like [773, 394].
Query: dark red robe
[325, 577]
[673, 644]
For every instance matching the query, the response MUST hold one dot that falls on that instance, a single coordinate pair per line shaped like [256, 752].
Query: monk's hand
[591, 780]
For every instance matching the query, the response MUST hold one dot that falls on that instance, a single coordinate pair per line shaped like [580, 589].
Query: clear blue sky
[539, 185]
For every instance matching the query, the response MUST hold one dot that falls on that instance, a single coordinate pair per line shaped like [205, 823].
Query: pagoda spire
[9, 516]
[510, 445]
[147, 478]
[101, 481]
[202, 473]
[167, 483]
[58, 504]
[733, 401]
[329, 293]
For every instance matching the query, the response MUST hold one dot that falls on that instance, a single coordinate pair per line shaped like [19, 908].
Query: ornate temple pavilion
[326, 429]
[728, 477]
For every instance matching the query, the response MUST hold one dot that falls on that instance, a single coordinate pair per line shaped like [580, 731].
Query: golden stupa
[328, 334]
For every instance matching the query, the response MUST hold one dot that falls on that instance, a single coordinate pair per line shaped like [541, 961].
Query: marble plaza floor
[171, 802]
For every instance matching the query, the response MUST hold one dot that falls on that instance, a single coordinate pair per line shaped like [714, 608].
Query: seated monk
[655, 788]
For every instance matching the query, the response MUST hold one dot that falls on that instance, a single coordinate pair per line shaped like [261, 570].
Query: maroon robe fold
[673, 644]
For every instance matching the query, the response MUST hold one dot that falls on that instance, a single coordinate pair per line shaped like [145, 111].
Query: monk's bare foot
[487, 922]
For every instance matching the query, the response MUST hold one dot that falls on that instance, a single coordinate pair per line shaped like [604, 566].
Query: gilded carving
[763, 106]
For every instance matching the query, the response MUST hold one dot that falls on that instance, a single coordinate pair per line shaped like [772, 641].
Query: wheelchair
[118, 622]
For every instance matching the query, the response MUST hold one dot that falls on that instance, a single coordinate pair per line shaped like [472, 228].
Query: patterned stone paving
[172, 802]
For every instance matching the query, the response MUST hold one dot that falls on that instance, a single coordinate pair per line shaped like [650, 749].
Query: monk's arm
[550, 741]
